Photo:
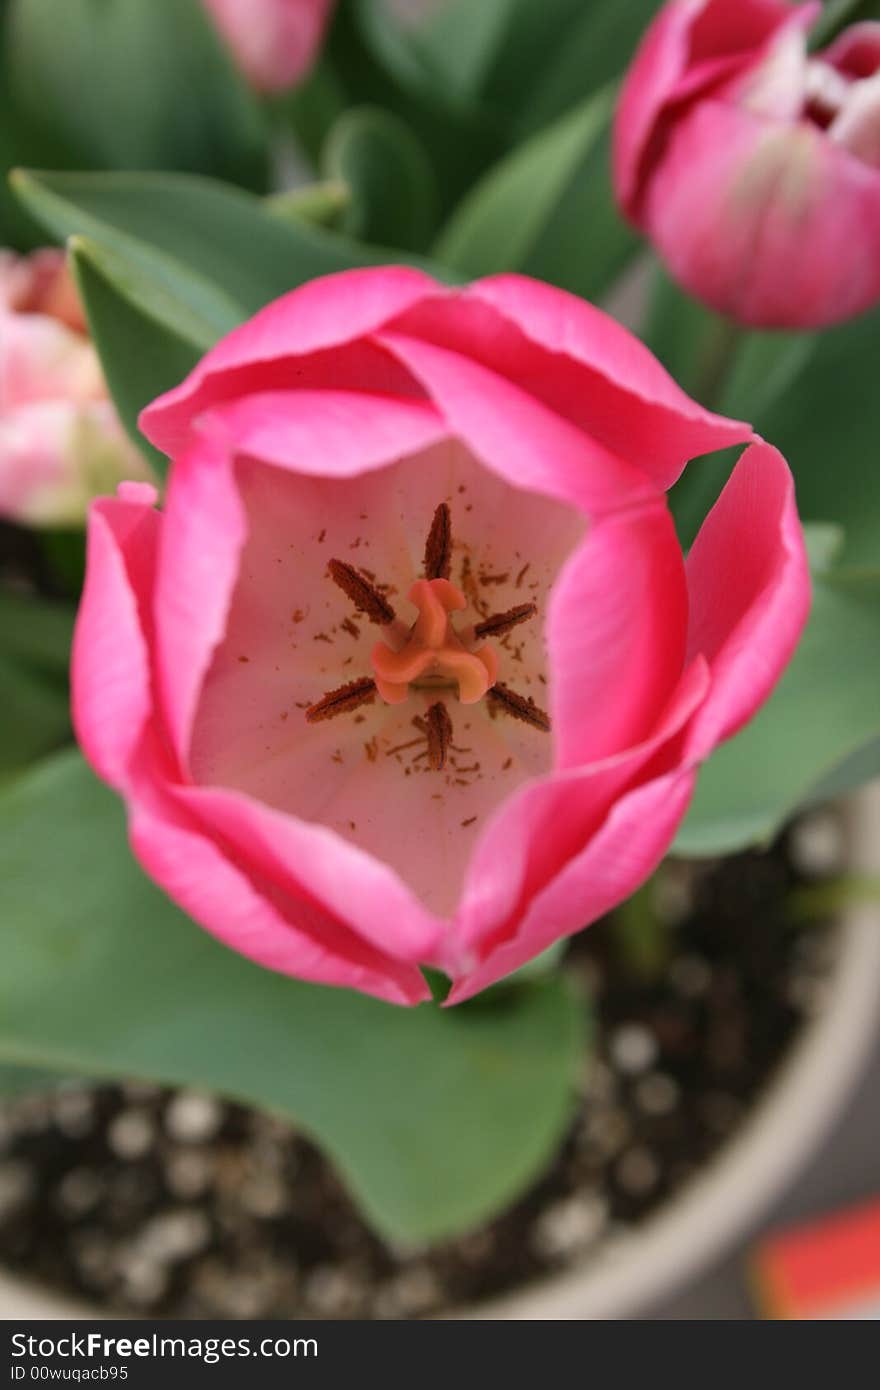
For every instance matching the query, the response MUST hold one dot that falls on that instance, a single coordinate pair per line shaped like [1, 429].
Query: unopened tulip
[274, 42]
[61, 443]
[754, 165]
[411, 669]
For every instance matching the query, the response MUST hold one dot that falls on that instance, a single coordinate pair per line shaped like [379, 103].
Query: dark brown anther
[500, 623]
[439, 735]
[520, 707]
[342, 701]
[438, 550]
[365, 596]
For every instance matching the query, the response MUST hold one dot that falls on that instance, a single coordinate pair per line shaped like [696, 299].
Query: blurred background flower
[61, 442]
[273, 41]
[754, 165]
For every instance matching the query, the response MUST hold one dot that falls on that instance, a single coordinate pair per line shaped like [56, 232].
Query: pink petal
[777, 86]
[621, 855]
[252, 914]
[40, 482]
[112, 699]
[857, 126]
[313, 864]
[41, 284]
[651, 84]
[579, 362]
[57, 455]
[690, 47]
[202, 536]
[768, 222]
[617, 635]
[739, 27]
[516, 436]
[43, 360]
[856, 51]
[330, 312]
[273, 41]
[328, 433]
[750, 593]
[549, 822]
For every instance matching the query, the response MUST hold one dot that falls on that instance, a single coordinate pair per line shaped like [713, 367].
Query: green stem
[722, 345]
[640, 937]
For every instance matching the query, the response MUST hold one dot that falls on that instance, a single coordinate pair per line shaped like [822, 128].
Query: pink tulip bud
[61, 442]
[274, 42]
[410, 669]
[754, 165]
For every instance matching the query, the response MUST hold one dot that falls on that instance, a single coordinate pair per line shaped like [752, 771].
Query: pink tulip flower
[274, 42]
[61, 442]
[754, 165]
[411, 670]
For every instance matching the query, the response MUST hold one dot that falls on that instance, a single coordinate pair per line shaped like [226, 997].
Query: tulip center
[429, 654]
[433, 655]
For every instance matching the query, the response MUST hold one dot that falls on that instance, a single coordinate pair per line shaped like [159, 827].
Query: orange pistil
[433, 653]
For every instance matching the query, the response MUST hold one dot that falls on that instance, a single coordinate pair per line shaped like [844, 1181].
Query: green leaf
[394, 194]
[461, 42]
[22, 1081]
[722, 365]
[532, 61]
[595, 47]
[436, 1118]
[546, 210]
[860, 767]
[132, 84]
[823, 717]
[838, 13]
[35, 640]
[312, 107]
[827, 423]
[141, 356]
[36, 716]
[813, 395]
[217, 234]
[36, 633]
[379, 63]
[160, 288]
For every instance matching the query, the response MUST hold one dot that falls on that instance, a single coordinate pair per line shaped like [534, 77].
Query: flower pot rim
[728, 1198]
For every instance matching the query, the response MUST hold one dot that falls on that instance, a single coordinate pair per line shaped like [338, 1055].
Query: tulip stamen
[343, 700]
[439, 735]
[432, 654]
[366, 598]
[438, 548]
[499, 624]
[519, 707]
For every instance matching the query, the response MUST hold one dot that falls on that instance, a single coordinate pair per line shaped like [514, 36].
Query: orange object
[830, 1269]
